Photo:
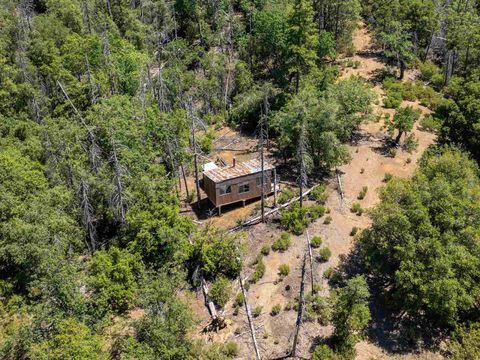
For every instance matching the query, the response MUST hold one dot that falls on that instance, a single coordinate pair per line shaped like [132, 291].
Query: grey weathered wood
[249, 317]
[300, 309]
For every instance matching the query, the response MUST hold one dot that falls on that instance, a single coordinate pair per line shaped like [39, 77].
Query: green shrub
[231, 350]
[283, 243]
[259, 272]
[430, 123]
[220, 291]
[257, 311]
[438, 81]
[362, 193]
[327, 220]
[288, 306]
[275, 310]
[206, 142]
[387, 177]
[353, 231]
[294, 219]
[428, 69]
[257, 259]
[319, 194]
[392, 101]
[239, 300]
[285, 195]
[316, 241]
[315, 211]
[283, 270]
[328, 273]
[324, 254]
[265, 250]
[356, 208]
[237, 331]
[410, 144]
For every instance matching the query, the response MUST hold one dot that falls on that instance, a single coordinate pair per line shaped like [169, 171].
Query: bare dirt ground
[367, 168]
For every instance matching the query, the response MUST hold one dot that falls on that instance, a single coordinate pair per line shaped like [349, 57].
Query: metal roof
[240, 169]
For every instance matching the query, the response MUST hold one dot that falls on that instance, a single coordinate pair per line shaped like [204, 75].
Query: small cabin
[240, 182]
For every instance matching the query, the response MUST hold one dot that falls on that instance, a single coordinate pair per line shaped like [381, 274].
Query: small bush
[319, 194]
[393, 101]
[428, 69]
[392, 152]
[356, 208]
[324, 254]
[430, 123]
[237, 331]
[257, 311]
[362, 170]
[387, 177]
[257, 259]
[284, 196]
[327, 220]
[354, 231]
[315, 211]
[220, 291]
[362, 193]
[316, 241]
[275, 310]
[231, 350]
[283, 270]
[409, 160]
[239, 300]
[295, 219]
[410, 144]
[328, 273]
[283, 243]
[258, 273]
[288, 306]
[265, 250]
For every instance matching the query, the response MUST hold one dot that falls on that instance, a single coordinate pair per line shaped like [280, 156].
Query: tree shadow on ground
[390, 328]
[386, 148]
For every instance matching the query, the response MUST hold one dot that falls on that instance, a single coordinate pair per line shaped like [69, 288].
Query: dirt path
[367, 168]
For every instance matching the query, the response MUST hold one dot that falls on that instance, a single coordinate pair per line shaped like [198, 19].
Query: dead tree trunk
[302, 180]
[310, 255]
[249, 317]
[185, 180]
[118, 197]
[262, 155]
[87, 216]
[300, 309]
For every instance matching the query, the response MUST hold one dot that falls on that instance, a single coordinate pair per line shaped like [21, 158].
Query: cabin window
[243, 188]
[225, 189]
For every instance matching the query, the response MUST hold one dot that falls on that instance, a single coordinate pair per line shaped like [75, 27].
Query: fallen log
[249, 317]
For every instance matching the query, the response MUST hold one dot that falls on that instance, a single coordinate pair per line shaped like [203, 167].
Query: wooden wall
[213, 190]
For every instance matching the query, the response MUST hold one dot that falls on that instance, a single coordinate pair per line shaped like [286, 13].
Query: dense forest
[105, 104]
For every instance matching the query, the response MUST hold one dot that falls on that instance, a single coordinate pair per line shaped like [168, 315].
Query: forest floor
[274, 333]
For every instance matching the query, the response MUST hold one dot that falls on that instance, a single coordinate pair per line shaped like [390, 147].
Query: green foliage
[113, 275]
[319, 194]
[285, 195]
[316, 242]
[410, 144]
[387, 177]
[276, 309]
[419, 234]
[328, 220]
[71, 340]
[239, 300]
[283, 243]
[403, 121]
[324, 254]
[430, 123]
[217, 252]
[356, 208]
[467, 344]
[283, 270]
[258, 273]
[362, 193]
[354, 231]
[220, 291]
[323, 352]
[265, 250]
[350, 314]
[296, 218]
[257, 311]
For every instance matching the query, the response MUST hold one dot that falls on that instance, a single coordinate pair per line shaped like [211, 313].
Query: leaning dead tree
[310, 255]
[195, 122]
[249, 317]
[263, 136]
[301, 305]
[118, 198]
[86, 215]
[302, 155]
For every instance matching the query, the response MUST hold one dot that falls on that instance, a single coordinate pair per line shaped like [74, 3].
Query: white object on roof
[209, 166]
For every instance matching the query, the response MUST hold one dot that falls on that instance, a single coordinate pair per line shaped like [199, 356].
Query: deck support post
[220, 210]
